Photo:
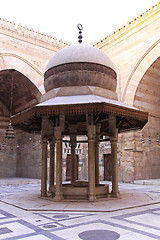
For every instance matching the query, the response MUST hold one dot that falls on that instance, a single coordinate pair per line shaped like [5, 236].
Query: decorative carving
[43, 36]
[129, 24]
[12, 26]
[25, 30]
[61, 42]
[5, 23]
[30, 33]
[49, 39]
[19, 28]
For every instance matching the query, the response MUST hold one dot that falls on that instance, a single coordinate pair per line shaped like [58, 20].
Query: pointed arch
[138, 72]
[14, 61]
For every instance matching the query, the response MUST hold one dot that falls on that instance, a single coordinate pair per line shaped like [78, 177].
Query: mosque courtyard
[24, 215]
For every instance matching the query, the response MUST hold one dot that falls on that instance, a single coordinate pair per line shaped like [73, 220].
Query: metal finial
[80, 27]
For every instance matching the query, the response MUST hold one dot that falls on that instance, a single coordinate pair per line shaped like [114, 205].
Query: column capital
[91, 131]
[114, 139]
[51, 141]
[98, 127]
[44, 140]
[45, 118]
[57, 132]
[73, 140]
[45, 126]
[62, 121]
[112, 123]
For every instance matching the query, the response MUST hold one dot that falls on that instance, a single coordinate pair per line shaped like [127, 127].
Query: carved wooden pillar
[44, 157]
[44, 169]
[91, 161]
[113, 140]
[73, 159]
[98, 126]
[58, 140]
[52, 158]
[96, 161]
[115, 191]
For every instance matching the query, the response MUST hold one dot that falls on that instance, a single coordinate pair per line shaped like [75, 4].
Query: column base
[91, 197]
[115, 194]
[73, 183]
[43, 194]
[58, 197]
[50, 189]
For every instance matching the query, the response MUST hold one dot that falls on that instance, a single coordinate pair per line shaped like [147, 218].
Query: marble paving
[127, 224]
[135, 223]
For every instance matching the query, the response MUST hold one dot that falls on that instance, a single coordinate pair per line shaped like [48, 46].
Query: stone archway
[147, 98]
[12, 153]
[13, 61]
[138, 71]
[24, 92]
[141, 149]
[140, 155]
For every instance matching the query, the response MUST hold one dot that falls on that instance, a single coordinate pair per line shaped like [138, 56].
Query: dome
[79, 53]
[78, 66]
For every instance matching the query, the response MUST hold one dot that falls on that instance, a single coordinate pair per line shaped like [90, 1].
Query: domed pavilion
[80, 100]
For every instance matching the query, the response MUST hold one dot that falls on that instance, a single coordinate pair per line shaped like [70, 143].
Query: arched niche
[139, 70]
[17, 87]
[14, 61]
[147, 98]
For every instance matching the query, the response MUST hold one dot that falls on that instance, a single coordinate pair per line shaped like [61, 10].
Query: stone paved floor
[23, 215]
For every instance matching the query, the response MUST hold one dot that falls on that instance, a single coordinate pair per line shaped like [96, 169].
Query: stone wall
[7, 156]
[20, 157]
[139, 153]
[28, 155]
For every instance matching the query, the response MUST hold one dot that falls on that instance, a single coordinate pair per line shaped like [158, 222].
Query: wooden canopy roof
[75, 109]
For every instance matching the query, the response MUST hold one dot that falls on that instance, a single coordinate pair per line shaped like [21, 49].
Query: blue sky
[59, 18]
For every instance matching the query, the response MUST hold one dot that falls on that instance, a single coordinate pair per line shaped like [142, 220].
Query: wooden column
[98, 126]
[114, 140]
[115, 191]
[96, 161]
[58, 140]
[44, 169]
[73, 159]
[44, 125]
[52, 158]
[91, 161]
